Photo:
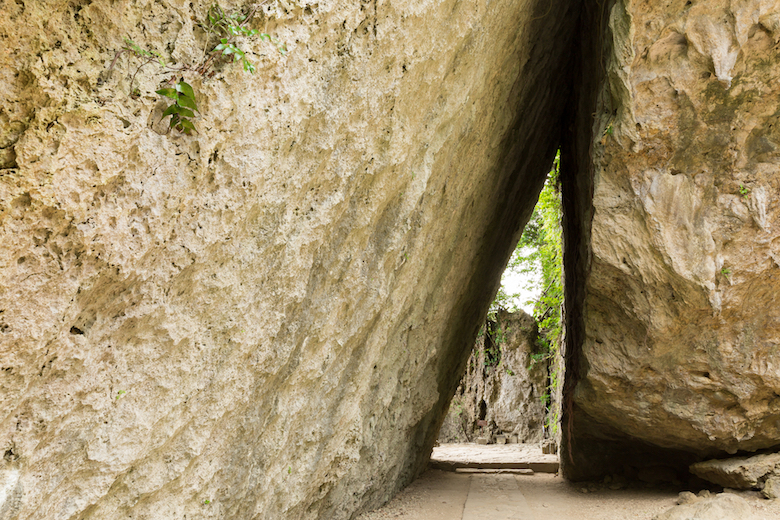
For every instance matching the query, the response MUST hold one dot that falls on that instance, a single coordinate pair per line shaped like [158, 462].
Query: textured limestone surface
[681, 318]
[502, 385]
[265, 319]
[771, 489]
[739, 472]
[724, 506]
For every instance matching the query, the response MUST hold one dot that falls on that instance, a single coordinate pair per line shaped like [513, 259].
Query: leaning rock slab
[724, 506]
[739, 472]
[680, 323]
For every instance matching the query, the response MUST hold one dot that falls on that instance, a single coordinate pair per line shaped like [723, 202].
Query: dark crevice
[482, 410]
[577, 208]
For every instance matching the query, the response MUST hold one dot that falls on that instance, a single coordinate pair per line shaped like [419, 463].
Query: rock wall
[503, 384]
[265, 319]
[679, 327]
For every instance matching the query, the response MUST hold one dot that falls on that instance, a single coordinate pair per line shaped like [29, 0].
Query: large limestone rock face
[265, 319]
[681, 317]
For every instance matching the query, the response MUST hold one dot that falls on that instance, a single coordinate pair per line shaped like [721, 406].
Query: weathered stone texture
[681, 314]
[269, 315]
[503, 384]
[739, 472]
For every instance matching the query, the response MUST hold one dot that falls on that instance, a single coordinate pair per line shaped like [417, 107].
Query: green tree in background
[542, 237]
[539, 253]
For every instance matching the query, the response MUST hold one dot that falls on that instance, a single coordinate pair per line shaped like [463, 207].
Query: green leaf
[187, 102]
[187, 126]
[168, 92]
[185, 89]
[134, 46]
[185, 112]
[171, 110]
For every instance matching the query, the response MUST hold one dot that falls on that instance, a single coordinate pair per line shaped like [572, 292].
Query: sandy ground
[442, 495]
[445, 495]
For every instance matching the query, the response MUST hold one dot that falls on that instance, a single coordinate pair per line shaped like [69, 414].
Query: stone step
[537, 467]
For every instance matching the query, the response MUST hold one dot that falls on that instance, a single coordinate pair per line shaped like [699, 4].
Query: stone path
[470, 495]
[496, 497]
[444, 495]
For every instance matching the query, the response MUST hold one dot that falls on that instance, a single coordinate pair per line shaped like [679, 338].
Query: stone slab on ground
[474, 471]
[738, 472]
[249, 315]
[450, 457]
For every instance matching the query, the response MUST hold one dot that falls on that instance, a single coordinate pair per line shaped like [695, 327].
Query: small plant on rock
[183, 108]
[146, 57]
[223, 30]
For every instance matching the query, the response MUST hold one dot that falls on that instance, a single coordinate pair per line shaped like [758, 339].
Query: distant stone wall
[502, 385]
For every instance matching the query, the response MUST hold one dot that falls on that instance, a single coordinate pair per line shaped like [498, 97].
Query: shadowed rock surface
[266, 319]
[674, 317]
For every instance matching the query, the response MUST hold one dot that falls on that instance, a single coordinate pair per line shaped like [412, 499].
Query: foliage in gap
[224, 31]
[543, 237]
[539, 253]
[494, 337]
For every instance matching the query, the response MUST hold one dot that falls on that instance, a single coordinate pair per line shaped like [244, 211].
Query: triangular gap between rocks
[510, 392]
[584, 79]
